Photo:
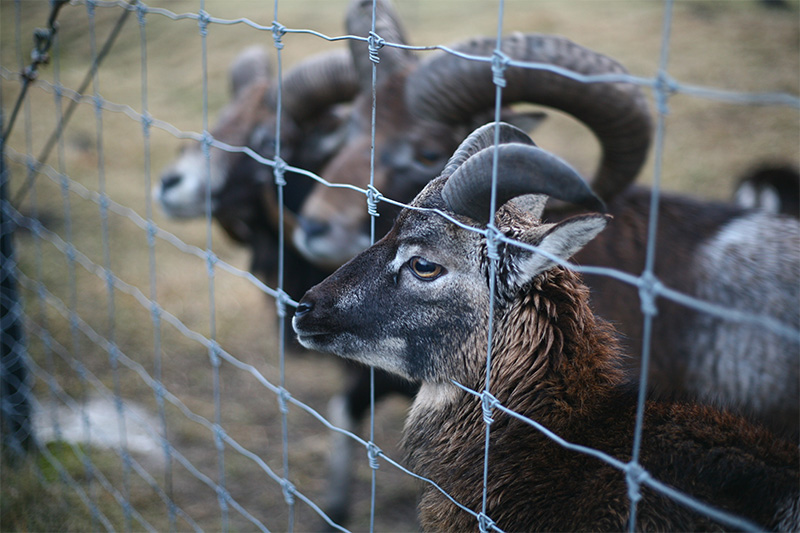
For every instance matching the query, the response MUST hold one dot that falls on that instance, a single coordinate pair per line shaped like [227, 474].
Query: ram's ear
[561, 240]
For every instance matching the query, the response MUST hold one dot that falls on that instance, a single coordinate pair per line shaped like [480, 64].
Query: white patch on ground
[141, 433]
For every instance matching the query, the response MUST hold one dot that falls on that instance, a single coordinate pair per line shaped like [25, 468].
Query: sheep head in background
[243, 195]
[772, 187]
[417, 304]
[425, 108]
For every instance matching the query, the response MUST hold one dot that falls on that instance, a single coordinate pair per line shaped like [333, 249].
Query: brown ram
[418, 303]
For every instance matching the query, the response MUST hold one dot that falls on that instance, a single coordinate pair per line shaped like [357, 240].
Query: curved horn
[388, 28]
[252, 64]
[316, 84]
[521, 169]
[483, 137]
[451, 89]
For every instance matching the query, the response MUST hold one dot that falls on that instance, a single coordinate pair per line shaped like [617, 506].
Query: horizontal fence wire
[663, 85]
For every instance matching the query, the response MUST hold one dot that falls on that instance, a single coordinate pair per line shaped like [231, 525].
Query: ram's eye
[428, 158]
[425, 270]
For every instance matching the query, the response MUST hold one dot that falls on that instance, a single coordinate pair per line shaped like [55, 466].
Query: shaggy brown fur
[554, 362]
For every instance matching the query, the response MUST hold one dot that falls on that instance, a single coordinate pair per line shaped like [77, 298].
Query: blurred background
[742, 46]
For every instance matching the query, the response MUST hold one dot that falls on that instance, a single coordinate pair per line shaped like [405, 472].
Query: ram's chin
[386, 354]
[321, 342]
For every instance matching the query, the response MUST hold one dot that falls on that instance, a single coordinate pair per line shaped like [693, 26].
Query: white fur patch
[751, 265]
[187, 197]
[433, 397]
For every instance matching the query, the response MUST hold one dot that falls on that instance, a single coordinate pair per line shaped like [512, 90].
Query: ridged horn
[316, 84]
[388, 27]
[483, 137]
[252, 64]
[521, 169]
[451, 89]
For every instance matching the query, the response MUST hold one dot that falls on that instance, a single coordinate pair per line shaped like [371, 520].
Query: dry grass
[736, 46]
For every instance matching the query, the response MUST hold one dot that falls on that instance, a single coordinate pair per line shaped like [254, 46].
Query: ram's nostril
[313, 228]
[169, 181]
[303, 308]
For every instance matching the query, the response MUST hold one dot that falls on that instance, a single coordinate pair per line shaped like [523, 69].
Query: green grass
[736, 46]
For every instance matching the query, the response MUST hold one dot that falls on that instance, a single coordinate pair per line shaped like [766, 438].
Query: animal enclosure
[163, 394]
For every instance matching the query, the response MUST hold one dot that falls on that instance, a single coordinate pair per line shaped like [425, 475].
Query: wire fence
[103, 323]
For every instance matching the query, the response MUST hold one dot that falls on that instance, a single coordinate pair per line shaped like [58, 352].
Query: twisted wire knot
[500, 62]
[30, 73]
[289, 491]
[219, 434]
[30, 163]
[279, 171]
[222, 497]
[485, 523]
[649, 287]
[42, 39]
[203, 19]
[278, 31]
[141, 11]
[211, 261]
[206, 141]
[665, 87]
[151, 233]
[160, 390]
[127, 508]
[488, 402]
[372, 453]
[283, 400]
[113, 356]
[71, 254]
[83, 373]
[635, 475]
[373, 197]
[118, 400]
[98, 104]
[492, 242]
[375, 43]
[213, 354]
[280, 303]
[147, 123]
[155, 312]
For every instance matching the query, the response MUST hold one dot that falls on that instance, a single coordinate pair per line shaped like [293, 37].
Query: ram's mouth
[311, 338]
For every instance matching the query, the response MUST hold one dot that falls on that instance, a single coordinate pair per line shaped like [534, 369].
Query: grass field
[730, 46]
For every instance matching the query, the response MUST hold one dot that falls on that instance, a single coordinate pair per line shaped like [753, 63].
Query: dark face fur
[416, 303]
[392, 305]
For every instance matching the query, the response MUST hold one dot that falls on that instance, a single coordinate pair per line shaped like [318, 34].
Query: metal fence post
[15, 411]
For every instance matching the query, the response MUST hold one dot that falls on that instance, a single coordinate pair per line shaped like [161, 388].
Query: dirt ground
[728, 46]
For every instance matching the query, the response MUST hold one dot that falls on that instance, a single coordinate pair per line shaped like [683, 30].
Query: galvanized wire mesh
[61, 340]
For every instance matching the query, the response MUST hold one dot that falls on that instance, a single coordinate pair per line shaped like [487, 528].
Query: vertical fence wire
[97, 518]
[373, 50]
[211, 260]
[647, 295]
[155, 313]
[485, 522]
[281, 301]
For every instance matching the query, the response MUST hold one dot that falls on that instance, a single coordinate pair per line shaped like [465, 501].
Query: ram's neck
[553, 360]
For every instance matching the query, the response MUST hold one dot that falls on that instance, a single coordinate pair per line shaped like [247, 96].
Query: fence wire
[50, 336]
